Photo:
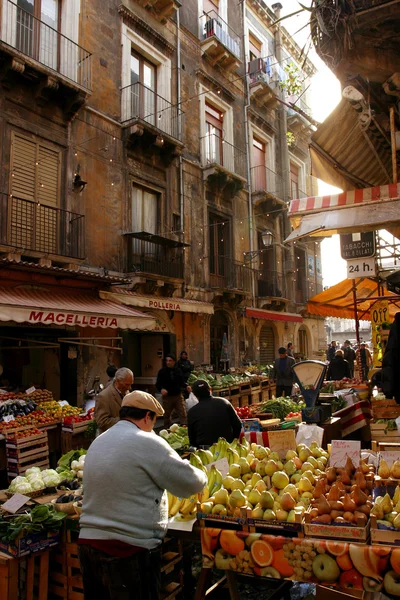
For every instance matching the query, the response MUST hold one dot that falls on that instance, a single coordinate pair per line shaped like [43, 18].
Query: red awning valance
[273, 315]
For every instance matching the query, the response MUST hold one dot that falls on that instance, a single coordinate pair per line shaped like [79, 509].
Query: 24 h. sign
[357, 245]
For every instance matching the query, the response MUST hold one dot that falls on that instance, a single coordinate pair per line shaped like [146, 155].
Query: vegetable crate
[379, 433]
[71, 441]
[24, 577]
[385, 409]
[255, 394]
[171, 568]
[234, 396]
[26, 452]
[358, 533]
[79, 427]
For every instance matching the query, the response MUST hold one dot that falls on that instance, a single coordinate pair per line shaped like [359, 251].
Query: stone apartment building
[145, 175]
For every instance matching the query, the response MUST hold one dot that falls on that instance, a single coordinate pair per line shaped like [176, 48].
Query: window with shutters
[255, 47]
[35, 190]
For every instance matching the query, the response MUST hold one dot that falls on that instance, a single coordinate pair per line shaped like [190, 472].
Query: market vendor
[338, 367]
[125, 507]
[108, 402]
[211, 418]
[171, 383]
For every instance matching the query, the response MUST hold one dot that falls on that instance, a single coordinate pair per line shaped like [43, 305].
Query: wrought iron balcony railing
[32, 227]
[142, 103]
[264, 179]
[226, 273]
[272, 283]
[217, 151]
[217, 27]
[34, 38]
[154, 258]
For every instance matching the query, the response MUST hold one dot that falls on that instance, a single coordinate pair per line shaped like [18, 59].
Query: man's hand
[164, 392]
[188, 388]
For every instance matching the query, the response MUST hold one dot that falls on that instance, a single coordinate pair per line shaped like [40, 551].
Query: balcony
[229, 275]
[36, 229]
[160, 256]
[271, 285]
[54, 65]
[267, 186]
[223, 164]
[150, 119]
[219, 42]
[264, 77]
[163, 9]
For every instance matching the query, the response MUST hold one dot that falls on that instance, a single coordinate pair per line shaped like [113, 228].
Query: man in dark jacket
[349, 354]
[211, 418]
[391, 362]
[338, 367]
[185, 365]
[282, 373]
[330, 353]
[170, 382]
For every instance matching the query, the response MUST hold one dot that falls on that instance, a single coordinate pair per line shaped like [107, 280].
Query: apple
[391, 583]
[372, 585]
[351, 579]
[227, 482]
[237, 484]
[280, 480]
[234, 470]
[325, 568]
[222, 559]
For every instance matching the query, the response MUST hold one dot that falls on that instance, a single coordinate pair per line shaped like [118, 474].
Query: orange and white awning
[83, 309]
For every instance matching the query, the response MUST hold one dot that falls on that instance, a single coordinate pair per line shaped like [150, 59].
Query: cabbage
[68, 475]
[174, 427]
[163, 433]
[37, 484]
[16, 481]
[34, 476]
[32, 470]
[50, 478]
[23, 488]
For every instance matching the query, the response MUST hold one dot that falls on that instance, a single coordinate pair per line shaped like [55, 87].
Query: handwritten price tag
[282, 441]
[8, 418]
[390, 456]
[222, 465]
[341, 449]
[15, 503]
[30, 390]
[63, 403]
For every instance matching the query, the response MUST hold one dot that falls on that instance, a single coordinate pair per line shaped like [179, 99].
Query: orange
[262, 553]
[395, 560]
[381, 550]
[336, 548]
[230, 542]
[344, 562]
[281, 564]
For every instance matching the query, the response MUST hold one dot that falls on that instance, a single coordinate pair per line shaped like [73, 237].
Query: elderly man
[108, 402]
[125, 507]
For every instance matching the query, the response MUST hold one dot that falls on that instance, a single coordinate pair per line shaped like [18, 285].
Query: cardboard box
[35, 542]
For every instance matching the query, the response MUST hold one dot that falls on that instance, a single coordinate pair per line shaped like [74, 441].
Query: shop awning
[338, 301]
[273, 315]
[349, 212]
[48, 307]
[155, 302]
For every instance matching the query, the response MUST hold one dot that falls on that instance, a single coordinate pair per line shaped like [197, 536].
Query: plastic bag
[191, 401]
[309, 433]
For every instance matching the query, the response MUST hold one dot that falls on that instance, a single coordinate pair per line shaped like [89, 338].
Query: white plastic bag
[191, 401]
[309, 433]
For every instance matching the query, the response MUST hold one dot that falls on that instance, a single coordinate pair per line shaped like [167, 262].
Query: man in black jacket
[211, 418]
[349, 354]
[338, 367]
[170, 382]
[391, 362]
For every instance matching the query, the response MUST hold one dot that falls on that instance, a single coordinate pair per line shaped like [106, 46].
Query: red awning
[273, 315]
[52, 307]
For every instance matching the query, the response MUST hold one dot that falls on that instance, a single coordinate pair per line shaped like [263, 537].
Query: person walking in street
[364, 359]
[290, 349]
[282, 373]
[125, 507]
[338, 367]
[108, 402]
[184, 365]
[211, 418]
[349, 354]
[111, 370]
[330, 353]
[170, 383]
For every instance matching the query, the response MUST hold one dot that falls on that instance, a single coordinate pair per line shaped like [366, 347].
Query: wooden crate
[390, 537]
[75, 427]
[358, 533]
[264, 394]
[385, 409]
[27, 452]
[25, 577]
[379, 434]
[70, 441]
[272, 390]
[74, 577]
[244, 399]
[255, 395]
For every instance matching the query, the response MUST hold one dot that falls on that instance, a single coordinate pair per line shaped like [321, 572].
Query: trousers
[283, 388]
[174, 402]
[106, 577]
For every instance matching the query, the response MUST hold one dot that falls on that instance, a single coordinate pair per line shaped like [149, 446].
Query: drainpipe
[284, 154]
[248, 148]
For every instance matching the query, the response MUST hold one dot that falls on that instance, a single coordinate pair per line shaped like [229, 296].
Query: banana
[205, 456]
[204, 495]
[196, 462]
[224, 449]
[211, 478]
[213, 449]
[232, 456]
[242, 450]
[174, 509]
[234, 444]
[188, 505]
[218, 481]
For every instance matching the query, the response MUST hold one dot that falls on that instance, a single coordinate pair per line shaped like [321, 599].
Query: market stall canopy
[348, 212]
[273, 315]
[337, 301]
[155, 302]
[48, 307]
[345, 154]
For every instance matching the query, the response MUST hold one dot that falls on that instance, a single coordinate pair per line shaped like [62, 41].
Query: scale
[309, 375]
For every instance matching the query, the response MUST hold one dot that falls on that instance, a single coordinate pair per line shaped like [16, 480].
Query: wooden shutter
[254, 47]
[267, 345]
[23, 168]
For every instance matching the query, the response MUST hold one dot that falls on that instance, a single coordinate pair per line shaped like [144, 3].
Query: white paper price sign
[222, 465]
[282, 441]
[341, 449]
[8, 418]
[63, 402]
[15, 503]
[30, 390]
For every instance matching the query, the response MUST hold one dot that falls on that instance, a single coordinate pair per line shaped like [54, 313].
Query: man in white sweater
[125, 506]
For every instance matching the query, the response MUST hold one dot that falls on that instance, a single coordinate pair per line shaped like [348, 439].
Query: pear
[295, 478]
[309, 476]
[383, 470]
[292, 490]
[304, 454]
[281, 514]
[287, 502]
[247, 477]
[222, 496]
[237, 499]
[266, 500]
[274, 456]
[390, 516]
[250, 457]
[377, 510]
[397, 507]
[291, 517]
[313, 461]
[269, 515]
[396, 496]
[271, 467]
[260, 452]
[254, 478]
[307, 466]
[244, 465]
[206, 507]
[234, 470]
[386, 504]
[396, 522]
[257, 513]
[237, 484]
[254, 497]
[261, 486]
[290, 468]
[290, 454]
[260, 469]
[305, 485]
[280, 480]
[227, 482]
[253, 464]
[395, 469]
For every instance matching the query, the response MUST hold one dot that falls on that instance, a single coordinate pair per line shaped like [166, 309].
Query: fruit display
[16, 408]
[176, 436]
[57, 411]
[221, 382]
[278, 407]
[258, 481]
[386, 472]
[386, 509]
[243, 412]
[346, 383]
[327, 562]
[71, 465]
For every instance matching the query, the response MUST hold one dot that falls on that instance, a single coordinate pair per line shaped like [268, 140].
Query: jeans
[107, 577]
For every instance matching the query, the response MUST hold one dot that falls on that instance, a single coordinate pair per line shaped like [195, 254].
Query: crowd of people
[343, 359]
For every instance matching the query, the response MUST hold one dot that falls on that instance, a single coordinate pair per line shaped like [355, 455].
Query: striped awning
[273, 315]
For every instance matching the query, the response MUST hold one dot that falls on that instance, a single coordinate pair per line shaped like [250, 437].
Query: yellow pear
[383, 470]
[396, 496]
[386, 504]
[395, 469]
[377, 511]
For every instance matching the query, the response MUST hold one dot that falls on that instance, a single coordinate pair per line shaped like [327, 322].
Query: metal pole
[354, 290]
[393, 143]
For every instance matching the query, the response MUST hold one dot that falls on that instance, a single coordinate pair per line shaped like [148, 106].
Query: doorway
[267, 344]
[219, 326]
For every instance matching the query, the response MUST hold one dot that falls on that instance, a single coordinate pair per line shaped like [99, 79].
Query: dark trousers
[107, 577]
[174, 402]
[283, 388]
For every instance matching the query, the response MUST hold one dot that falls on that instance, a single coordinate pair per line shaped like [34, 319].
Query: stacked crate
[25, 452]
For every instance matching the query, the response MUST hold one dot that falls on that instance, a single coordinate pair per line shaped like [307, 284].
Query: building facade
[144, 155]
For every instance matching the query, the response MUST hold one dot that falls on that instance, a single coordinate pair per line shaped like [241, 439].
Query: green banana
[234, 444]
[205, 456]
[242, 450]
[224, 449]
[232, 456]
[211, 478]
[196, 462]
[213, 449]
[217, 481]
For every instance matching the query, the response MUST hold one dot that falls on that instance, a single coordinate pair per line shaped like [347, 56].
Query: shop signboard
[361, 267]
[357, 245]
[379, 314]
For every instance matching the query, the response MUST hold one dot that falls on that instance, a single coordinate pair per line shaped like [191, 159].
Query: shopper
[111, 370]
[184, 365]
[290, 349]
[338, 367]
[108, 402]
[364, 360]
[330, 353]
[125, 506]
[211, 418]
[349, 354]
[390, 378]
[171, 383]
[282, 373]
